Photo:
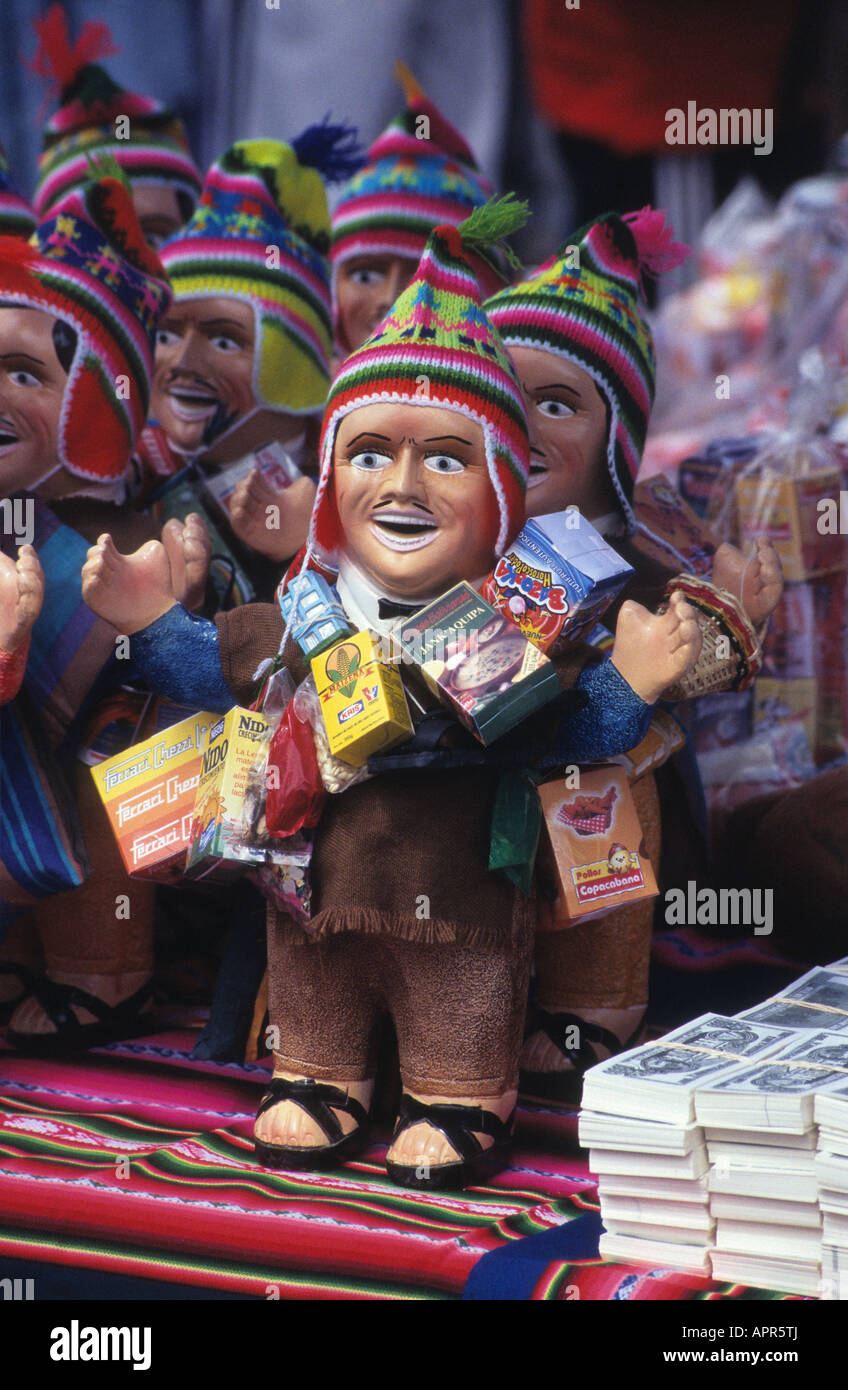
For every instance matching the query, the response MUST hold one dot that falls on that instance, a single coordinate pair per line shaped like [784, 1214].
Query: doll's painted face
[204, 368]
[414, 499]
[568, 435]
[32, 387]
[366, 289]
[159, 211]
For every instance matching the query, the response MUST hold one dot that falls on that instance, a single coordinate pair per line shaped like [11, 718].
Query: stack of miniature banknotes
[723, 1147]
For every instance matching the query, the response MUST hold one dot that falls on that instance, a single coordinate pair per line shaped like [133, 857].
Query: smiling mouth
[8, 436]
[538, 473]
[404, 530]
[192, 404]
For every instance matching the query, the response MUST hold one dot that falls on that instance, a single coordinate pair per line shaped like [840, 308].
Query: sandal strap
[57, 1001]
[316, 1098]
[26, 977]
[458, 1123]
[554, 1026]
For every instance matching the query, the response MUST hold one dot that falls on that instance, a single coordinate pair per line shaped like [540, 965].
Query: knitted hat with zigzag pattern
[584, 304]
[438, 334]
[16, 216]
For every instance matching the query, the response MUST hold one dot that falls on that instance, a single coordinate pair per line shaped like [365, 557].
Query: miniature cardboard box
[149, 794]
[785, 507]
[595, 837]
[557, 578]
[475, 661]
[362, 700]
[668, 517]
[218, 851]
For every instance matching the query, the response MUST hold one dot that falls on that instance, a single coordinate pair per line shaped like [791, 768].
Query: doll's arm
[178, 656]
[614, 719]
[21, 597]
[12, 668]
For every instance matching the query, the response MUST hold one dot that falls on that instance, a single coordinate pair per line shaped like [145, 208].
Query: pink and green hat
[437, 330]
[87, 121]
[16, 216]
[586, 304]
[261, 234]
[420, 174]
[89, 265]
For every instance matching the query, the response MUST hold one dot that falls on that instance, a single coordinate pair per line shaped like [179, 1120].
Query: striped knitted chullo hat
[153, 149]
[16, 216]
[437, 347]
[89, 265]
[586, 304]
[420, 174]
[261, 234]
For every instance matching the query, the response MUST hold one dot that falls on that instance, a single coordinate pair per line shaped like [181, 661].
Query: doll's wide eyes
[22, 378]
[554, 409]
[444, 463]
[223, 343]
[368, 276]
[370, 462]
[165, 338]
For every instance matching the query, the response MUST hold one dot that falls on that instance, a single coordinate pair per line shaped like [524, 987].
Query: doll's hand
[271, 520]
[189, 551]
[128, 591]
[655, 650]
[757, 582]
[21, 596]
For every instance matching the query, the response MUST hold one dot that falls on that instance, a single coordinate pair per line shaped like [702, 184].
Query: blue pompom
[333, 150]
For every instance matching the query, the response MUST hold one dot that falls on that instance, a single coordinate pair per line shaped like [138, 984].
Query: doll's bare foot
[653, 651]
[272, 521]
[424, 1146]
[189, 551]
[757, 581]
[31, 1020]
[540, 1053]
[128, 591]
[287, 1125]
[21, 596]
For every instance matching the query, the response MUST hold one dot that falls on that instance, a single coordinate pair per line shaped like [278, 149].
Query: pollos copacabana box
[557, 578]
[149, 793]
[362, 700]
[220, 848]
[477, 663]
[594, 837]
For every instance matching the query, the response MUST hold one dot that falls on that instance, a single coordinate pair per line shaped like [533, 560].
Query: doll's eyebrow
[368, 434]
[442, 438]
[20, 357]
[554, 386]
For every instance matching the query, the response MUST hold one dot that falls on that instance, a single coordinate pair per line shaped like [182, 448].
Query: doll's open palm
[128, 591]
[757, 581]
[271, 520]
[21, 596]
[189, 551]
[653, 651]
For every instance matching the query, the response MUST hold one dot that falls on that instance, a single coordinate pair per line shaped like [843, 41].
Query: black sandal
[460, 1124]
[566, 1087]
[115, 1022]
[27, 979]
[316, 1098]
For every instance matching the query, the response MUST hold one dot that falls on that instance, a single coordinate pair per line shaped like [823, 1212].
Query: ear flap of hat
[96, 452]
[290, 377]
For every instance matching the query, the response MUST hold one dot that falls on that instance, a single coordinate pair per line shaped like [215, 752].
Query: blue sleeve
[614, 720]
[179, 658]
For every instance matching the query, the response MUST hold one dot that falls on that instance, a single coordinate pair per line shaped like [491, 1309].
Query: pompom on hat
[90, 105]
[89, 265]
[586, 304]
[420, 174]
[16, 216]
[261, 234]
[437, 336]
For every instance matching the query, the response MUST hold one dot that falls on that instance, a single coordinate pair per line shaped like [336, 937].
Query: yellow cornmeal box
[218, 849]
[362, 700]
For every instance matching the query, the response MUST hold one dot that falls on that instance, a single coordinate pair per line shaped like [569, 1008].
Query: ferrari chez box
[149, 793]
[477, 663]
[595, 839]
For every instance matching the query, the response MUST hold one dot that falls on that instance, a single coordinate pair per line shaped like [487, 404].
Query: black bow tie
[387, 608]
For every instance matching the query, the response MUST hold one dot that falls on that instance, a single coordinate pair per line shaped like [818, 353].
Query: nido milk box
[785, 508]
[595, 838]
[557, 578]
[476, 662]
[218, 851]
[362, 700]
[149, 793]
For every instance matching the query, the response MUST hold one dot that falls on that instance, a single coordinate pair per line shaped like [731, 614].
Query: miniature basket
[731, 655]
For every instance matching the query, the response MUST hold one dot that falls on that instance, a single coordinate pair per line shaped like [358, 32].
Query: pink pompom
[655, 244]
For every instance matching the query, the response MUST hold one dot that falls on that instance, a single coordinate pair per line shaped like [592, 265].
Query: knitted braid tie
[731, 655]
